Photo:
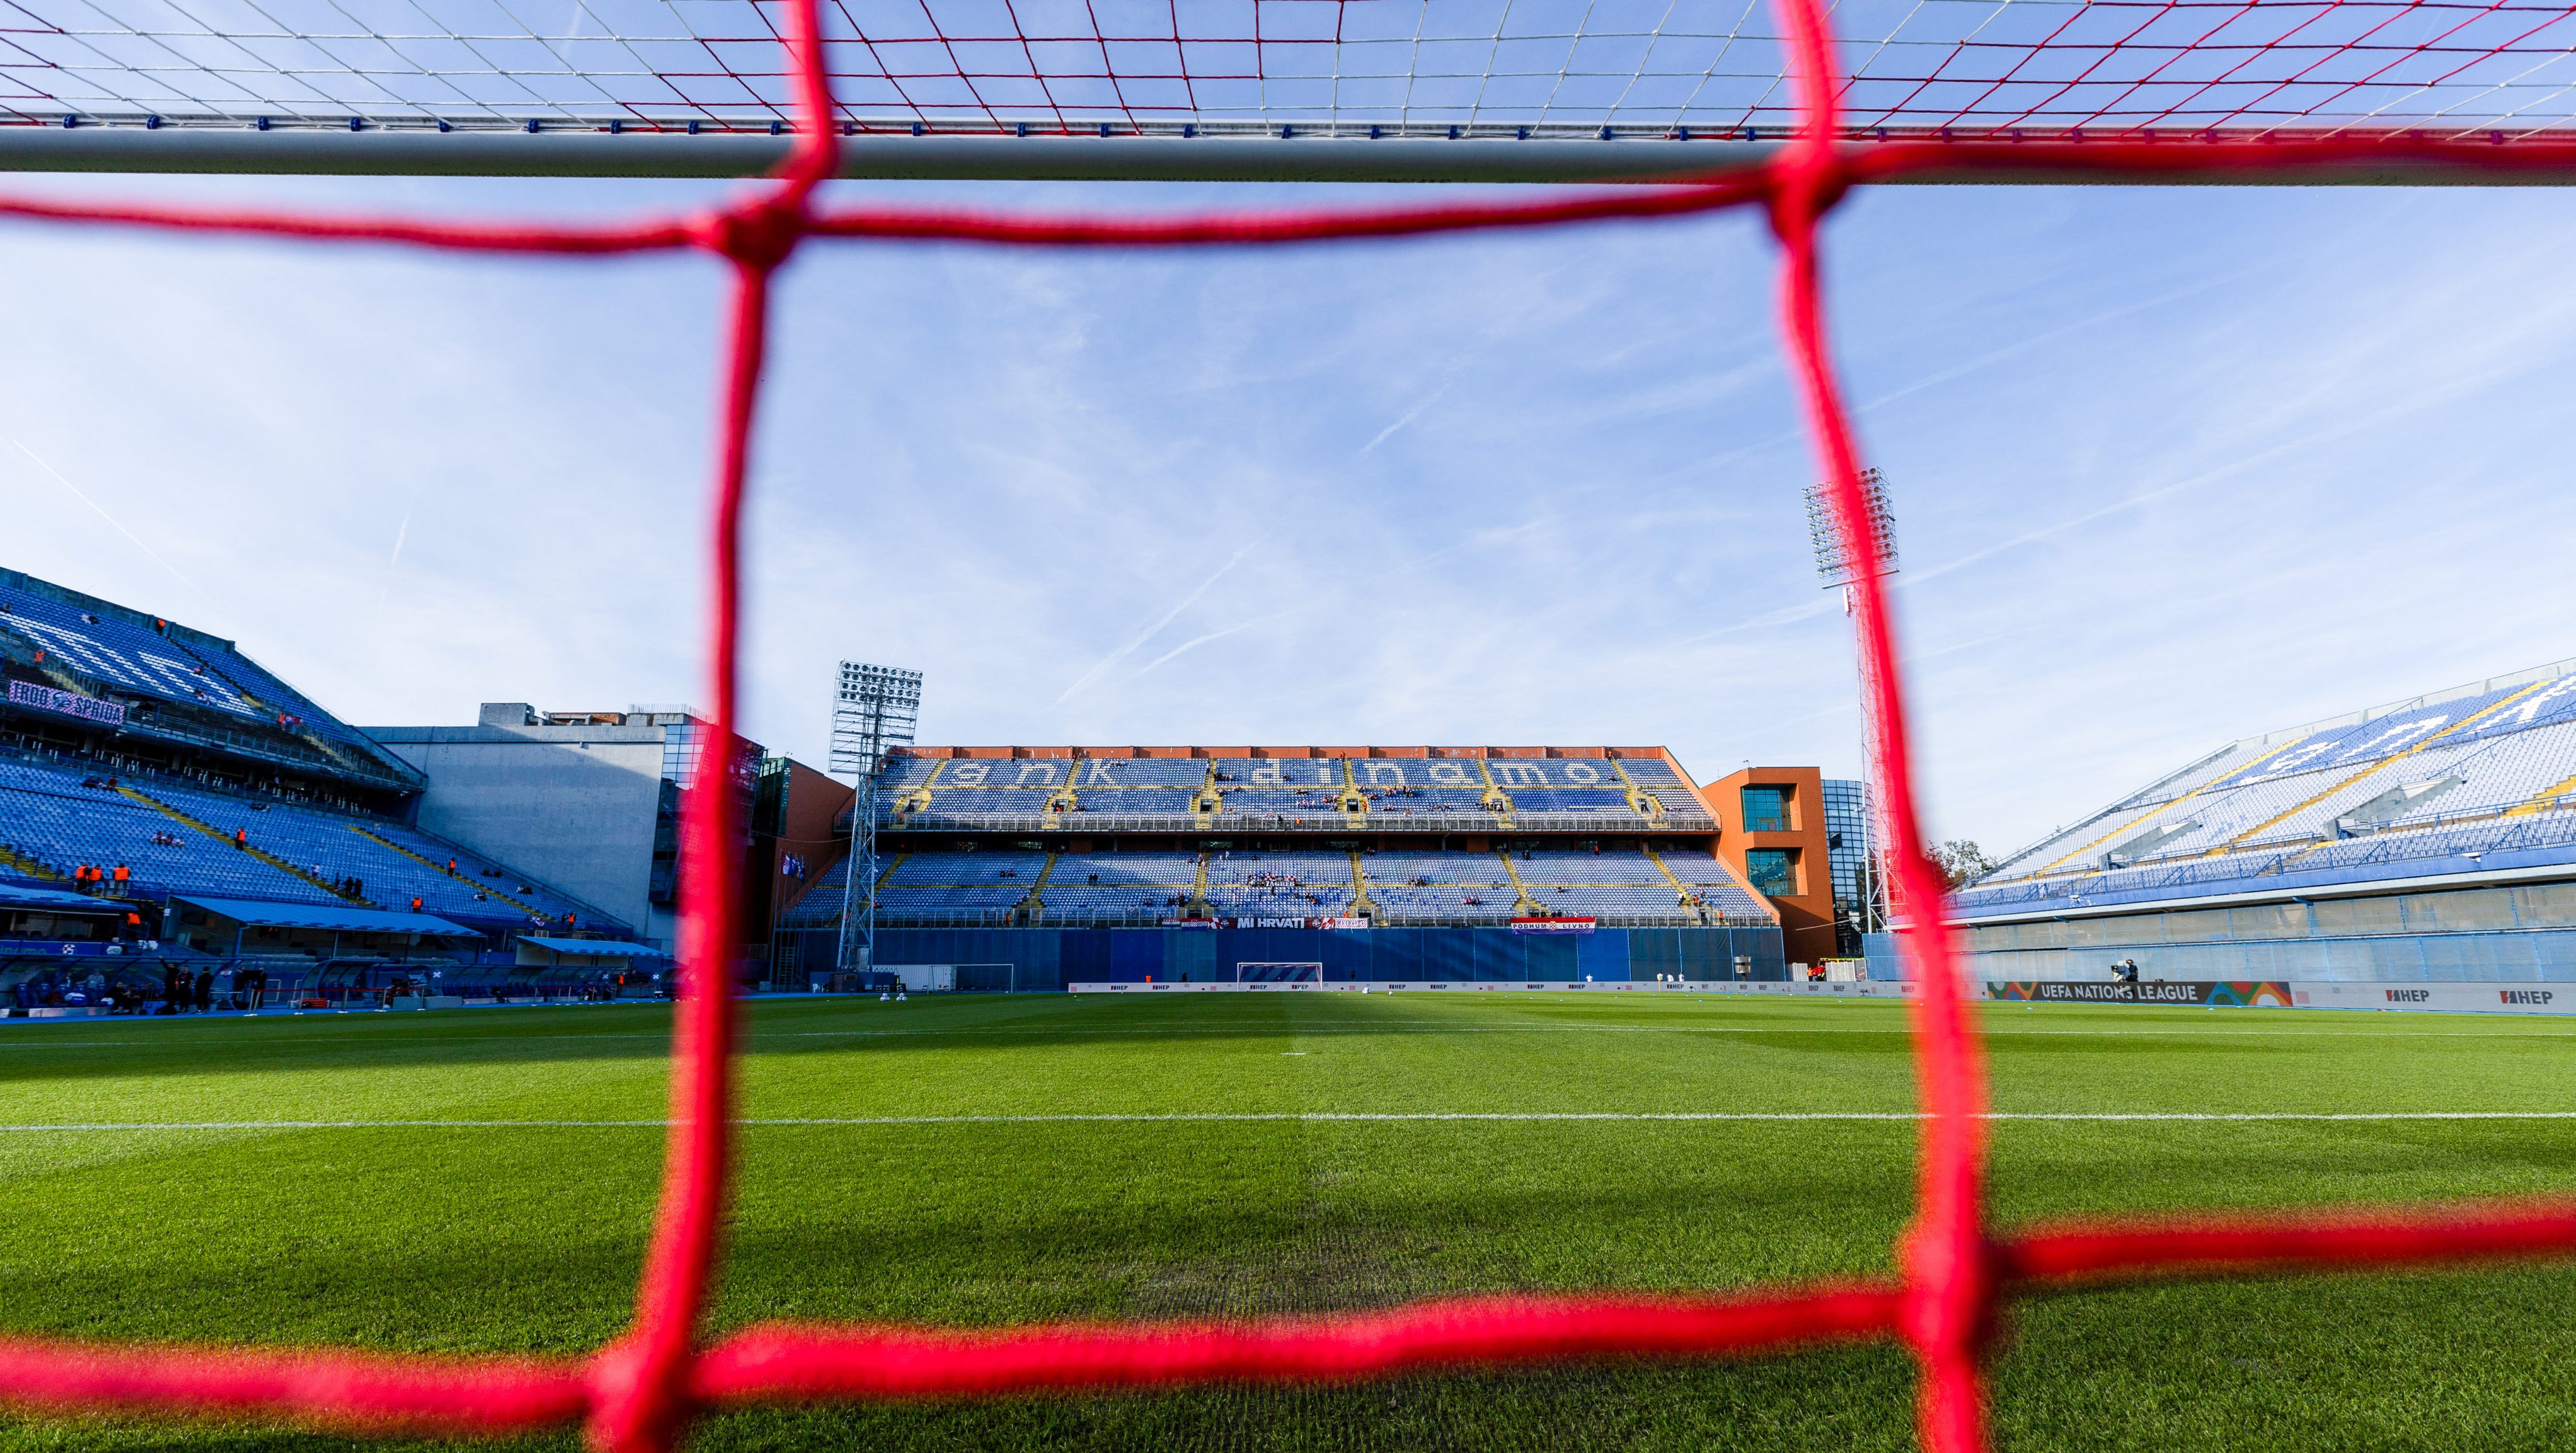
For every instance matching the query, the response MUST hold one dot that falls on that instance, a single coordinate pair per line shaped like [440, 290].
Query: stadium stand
[1123, 887]
[216, 813]
[1148, 838]
[2362, 791]
[2451, 794]
[1279, 885]
[176, 683]
[178, 839]
[1434, 887]
[819, 905]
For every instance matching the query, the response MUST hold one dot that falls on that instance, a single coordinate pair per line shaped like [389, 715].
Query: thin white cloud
[1150, 632]
[101, 511]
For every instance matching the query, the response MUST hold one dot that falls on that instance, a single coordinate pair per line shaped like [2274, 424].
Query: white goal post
[1230, 90]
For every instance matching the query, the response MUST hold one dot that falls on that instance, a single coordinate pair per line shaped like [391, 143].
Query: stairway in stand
[1700, 910]
[1032, 906]
[32, 867]
[1361, 906]
[1527, 906]
[529, 909]
[1495, 800]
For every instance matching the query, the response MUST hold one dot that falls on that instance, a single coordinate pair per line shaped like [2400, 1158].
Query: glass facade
[1851, 851]
[684, 740]
[1766, 809]
[1774, 871]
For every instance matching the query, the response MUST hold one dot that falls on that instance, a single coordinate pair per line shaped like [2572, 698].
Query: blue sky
[2170, 466]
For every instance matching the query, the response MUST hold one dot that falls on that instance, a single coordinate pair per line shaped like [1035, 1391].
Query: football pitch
[483, 1180]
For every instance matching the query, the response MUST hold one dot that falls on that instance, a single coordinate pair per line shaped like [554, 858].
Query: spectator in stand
[241, 838]
[415, 903]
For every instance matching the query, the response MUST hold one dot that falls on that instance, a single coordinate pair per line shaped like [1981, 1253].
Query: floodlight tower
[1839, 570]
[874, 709]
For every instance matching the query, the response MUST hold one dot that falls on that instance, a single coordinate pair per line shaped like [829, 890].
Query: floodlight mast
[1838, 570]
[874, 710]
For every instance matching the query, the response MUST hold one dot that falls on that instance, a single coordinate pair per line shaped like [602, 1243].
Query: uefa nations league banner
[2158, 992]
[69, 703]
[2454, 998]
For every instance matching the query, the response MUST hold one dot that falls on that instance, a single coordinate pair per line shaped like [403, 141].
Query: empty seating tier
[2461, 775]
[176, 837]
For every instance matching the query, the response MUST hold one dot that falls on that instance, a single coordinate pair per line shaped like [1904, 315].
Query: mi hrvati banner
[1277, 922]
[69, 703]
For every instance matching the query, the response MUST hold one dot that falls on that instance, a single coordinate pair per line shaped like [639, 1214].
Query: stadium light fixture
[1831, 563]
[874, 710]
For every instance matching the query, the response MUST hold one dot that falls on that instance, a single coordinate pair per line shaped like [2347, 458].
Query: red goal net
[2107, 91]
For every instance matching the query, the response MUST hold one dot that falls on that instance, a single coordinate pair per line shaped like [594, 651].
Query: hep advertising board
[2485, 998]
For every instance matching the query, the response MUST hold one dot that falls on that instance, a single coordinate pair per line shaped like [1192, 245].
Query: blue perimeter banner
[1033, 959]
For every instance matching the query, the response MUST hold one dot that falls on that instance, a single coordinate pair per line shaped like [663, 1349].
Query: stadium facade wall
[576, 805]
[1047, 959]
[1806, 908]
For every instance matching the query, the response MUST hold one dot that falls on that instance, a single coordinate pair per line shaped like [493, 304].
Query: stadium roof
[2477, 781]
[611, 947]
[28, 895]
[1241, 753]
[128, 670]
[256, 914]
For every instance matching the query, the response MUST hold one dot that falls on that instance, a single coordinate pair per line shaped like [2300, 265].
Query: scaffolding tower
[874, 710]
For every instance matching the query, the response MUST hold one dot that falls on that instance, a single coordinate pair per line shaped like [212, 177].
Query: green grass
[526, 1237]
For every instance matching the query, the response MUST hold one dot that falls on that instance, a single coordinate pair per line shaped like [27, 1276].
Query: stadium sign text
[1292, 923]
[2153, 992]
[1551, 925]
[69, 703]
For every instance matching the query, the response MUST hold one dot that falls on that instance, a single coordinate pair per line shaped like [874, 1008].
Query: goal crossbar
[2195, 160]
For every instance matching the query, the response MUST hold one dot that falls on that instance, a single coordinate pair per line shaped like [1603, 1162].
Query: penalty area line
[1318, 1117]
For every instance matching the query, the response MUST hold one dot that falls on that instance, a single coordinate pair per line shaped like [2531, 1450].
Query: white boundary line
[1232, 1029]
[1311, 1117]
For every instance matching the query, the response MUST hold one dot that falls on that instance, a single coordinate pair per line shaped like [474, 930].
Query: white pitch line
[1319, 1116]
[1381, 1030]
